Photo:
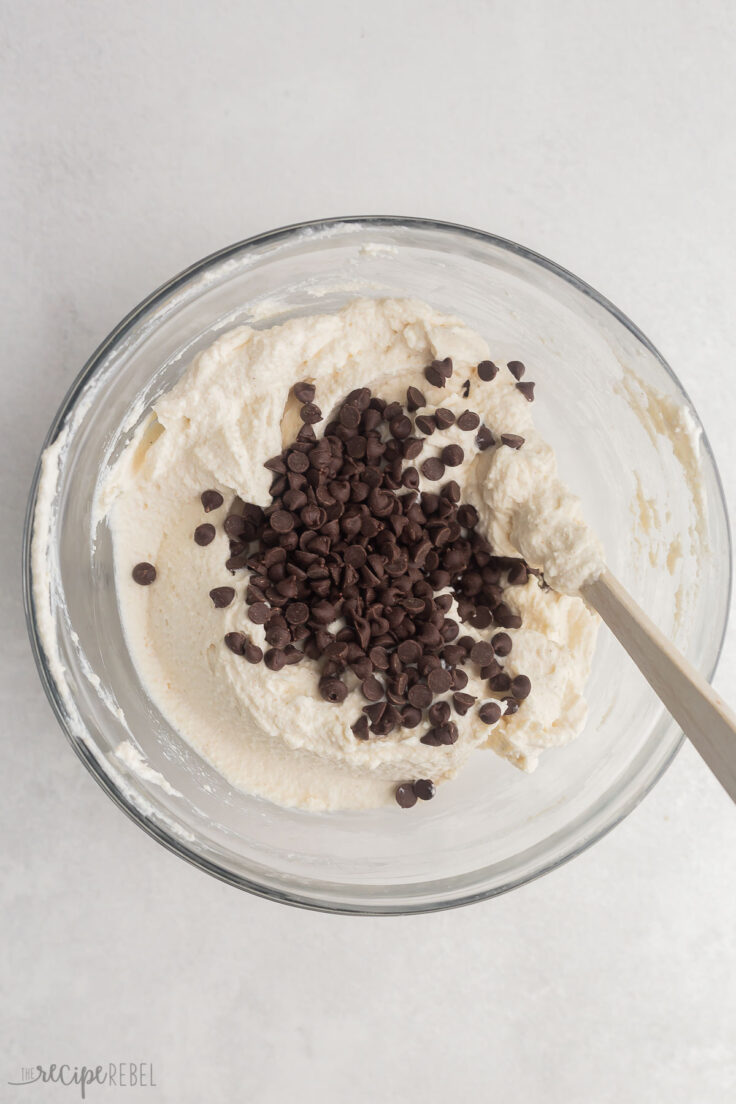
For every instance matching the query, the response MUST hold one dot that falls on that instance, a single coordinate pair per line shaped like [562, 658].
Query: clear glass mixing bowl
[494, 827]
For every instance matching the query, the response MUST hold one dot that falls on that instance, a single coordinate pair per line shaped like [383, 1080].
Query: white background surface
[137, 137]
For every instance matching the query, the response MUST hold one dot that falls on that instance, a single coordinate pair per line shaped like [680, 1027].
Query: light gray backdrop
[137, 137]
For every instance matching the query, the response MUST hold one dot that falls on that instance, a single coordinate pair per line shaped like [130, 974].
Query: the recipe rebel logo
[119, 1075]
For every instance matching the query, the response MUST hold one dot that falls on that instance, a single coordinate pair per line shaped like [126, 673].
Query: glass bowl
[605, 400]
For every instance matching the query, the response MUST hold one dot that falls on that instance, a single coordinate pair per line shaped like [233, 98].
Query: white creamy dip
[270, 732]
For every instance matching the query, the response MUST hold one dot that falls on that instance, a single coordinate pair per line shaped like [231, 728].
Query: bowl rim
[115, 792]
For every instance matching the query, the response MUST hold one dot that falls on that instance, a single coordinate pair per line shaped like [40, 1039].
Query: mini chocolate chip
[463, 702]
[234, 525]
[443, 418]
[409, 651]
[388, 722]
[405, 796]
[428, 663]
[379, 658]
[433, 468]
[501, 643]
[412, 448]
[521, 687]
[204, 534]
[349, 416]
[276, 635]
[274, 659]
[295, 500]
[459, 679]
[439, 680]
[512, 440]
[251, 512]
[381, 503]
[482, 617]
[222, 596]
[439, 712]
[375, 711]
[338, 650]
[500, 683]
[236, 642]
[419, 695]
[397, 690]
[468, 420]
[489, 713]
[310, 413]
[323, 613]
[414, 399]
[333, 690]
[468, 516]
[410, 716]
[472, 581]
[355, 555]
[481, 653]
[527, 390]
[306, 433]
[484, 438]
[441, 734]
[505, 617]
[434, 376]
[374, 450]
[430, 637]
[401, 427]
[431, 738]
[453, 455]
[360, 728]
[516, 368]
[297, 613]
[211, 500]
[362, 667]
[518, 574]
[313, 516]
[144, 573]
[487, 370]
[297, 462]
[465, 608]
[372, 689]
[259, 613]
[425, 423]
[252, 652]
[281, 521]
[304, 392]
[361, 398]
[424, 788]
[511, 707]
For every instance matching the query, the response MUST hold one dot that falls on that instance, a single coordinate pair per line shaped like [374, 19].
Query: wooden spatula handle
[702, 714]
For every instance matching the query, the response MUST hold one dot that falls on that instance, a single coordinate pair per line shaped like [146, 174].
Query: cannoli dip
[345, 562]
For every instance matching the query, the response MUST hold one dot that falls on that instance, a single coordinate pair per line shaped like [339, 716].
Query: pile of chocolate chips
[348, 539]
[354, 569]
